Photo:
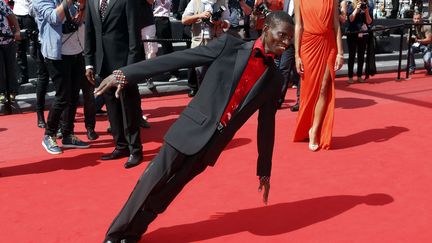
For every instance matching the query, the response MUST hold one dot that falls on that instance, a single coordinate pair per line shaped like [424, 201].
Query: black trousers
[67, 75]
[161, 182]
[289, 72]
[8, 79]
[42, 80]
[163, 31]
[124, 115]
[89, 104]
[27, 22]
[356, 45]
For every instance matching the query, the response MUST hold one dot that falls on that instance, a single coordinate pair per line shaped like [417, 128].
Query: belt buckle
[220, 127]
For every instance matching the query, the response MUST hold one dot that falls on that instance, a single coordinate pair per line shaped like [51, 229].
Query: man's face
[417, 18]
[277, 37]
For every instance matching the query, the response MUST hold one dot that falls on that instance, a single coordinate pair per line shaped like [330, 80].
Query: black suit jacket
[227, 58]
[114, 42]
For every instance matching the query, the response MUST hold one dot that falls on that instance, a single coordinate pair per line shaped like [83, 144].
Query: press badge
[241, 22]
[206, 33]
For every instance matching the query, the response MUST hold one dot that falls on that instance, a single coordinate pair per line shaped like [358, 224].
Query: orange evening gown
[318, 53]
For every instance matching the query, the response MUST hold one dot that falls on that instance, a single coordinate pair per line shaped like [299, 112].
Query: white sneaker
[173, 78]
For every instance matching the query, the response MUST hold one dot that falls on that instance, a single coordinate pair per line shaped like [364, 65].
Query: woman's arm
[14, 26]
[368, 16]
[356, 11]
[343, 12]
[297, 36]
[338, 36]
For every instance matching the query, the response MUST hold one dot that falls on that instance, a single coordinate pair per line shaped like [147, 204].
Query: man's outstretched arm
[266, 134]
[134, 73]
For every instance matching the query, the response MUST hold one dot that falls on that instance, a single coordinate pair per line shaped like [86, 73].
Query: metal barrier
[371, 31]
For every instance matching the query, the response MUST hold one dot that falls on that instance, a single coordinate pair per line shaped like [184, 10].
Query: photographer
[359, 18]
[240, 11]
[8, 79]
[62, 47]
[23, 12]
[261, 9]
[208, 20]
[421, 43]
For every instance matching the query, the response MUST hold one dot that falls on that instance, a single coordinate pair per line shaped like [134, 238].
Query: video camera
[216, 16]
[262, 9]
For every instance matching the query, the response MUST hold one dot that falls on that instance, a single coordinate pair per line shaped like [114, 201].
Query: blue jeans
[426, 56]
[427, 59]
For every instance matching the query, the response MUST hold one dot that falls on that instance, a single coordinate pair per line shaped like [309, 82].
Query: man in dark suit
[112, 40]
[226, 99]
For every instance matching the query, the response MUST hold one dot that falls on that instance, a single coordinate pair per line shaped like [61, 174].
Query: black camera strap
[66, 11]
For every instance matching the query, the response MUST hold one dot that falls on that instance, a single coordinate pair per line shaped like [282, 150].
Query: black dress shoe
[116, 154]
[133, 161]
[192, 92]
[295, 107]
[91, 134]
[144, 123]
[128, 241]
[125, 240]
[41, 120]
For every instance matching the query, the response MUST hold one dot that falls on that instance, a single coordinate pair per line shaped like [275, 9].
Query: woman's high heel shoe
[312, 146]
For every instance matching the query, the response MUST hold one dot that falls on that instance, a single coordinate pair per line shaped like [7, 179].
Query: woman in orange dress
[319, 53]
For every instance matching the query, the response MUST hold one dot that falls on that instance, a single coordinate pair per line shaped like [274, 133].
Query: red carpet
[373, 186]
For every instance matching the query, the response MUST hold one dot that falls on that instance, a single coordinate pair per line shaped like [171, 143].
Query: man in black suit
[241, 79]
[112, 40]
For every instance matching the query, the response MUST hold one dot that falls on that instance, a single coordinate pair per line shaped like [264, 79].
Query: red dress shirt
[253, 71]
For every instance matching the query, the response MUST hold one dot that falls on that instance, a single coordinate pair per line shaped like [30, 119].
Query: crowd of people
[78, 43]
[98, 47]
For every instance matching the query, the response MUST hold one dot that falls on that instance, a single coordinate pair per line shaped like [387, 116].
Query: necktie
[102, 9]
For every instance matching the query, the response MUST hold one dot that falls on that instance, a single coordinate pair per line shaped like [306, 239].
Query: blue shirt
[50, 27]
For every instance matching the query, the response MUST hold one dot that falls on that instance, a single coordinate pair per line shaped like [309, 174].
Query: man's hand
[108, 83]
[264, 181]
[90, 76]
[205, 15]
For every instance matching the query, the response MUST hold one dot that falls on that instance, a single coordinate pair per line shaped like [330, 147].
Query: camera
[262, 9]
[216, 16]
[29, 34]
[69, 26]
[364, 6]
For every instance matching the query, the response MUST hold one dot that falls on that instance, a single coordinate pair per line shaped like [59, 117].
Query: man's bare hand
[107, 83]
[90, 76]
[264, 181]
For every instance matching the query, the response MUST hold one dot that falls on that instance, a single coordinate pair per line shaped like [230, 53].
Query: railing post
[409, 52]
[400, 55]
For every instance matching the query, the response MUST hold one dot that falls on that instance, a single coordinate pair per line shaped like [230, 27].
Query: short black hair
[278, 16]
